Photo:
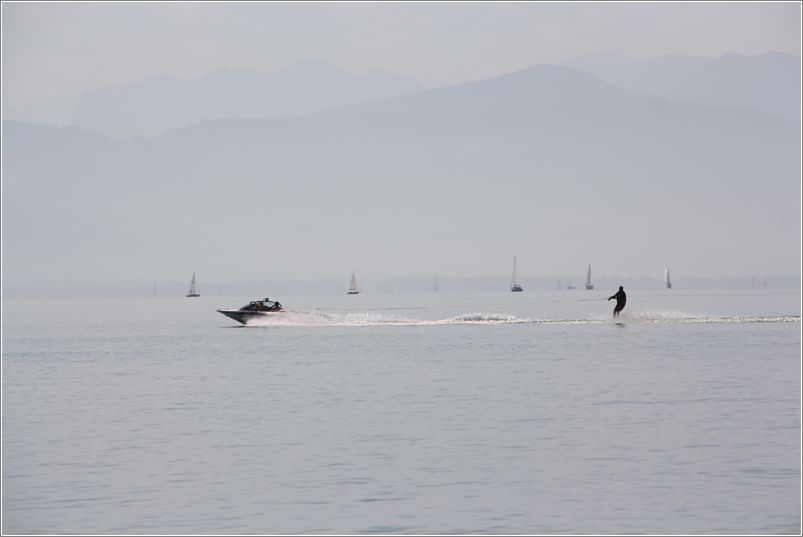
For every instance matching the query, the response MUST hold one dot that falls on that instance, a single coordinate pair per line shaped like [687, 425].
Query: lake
[439, 413]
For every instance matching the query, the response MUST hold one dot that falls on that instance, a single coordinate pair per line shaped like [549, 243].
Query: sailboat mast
[513, 280]
[514, 286]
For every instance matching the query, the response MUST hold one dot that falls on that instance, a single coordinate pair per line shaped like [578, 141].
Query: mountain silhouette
[655, 76]
[162, 103]
[547, 159]
[767, 82]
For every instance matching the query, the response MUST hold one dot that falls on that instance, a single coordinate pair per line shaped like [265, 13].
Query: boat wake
[314, 318]
[299, 318]
[663, 317]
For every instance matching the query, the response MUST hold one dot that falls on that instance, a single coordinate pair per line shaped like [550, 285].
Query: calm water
[442, 413]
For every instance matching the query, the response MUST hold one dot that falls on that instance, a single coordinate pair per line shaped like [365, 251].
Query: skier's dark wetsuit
[621, 299]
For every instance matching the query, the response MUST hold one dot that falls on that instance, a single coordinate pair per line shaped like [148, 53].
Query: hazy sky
[710, 192]
[53, 48]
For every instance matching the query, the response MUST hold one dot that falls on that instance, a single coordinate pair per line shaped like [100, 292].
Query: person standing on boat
[621, 299]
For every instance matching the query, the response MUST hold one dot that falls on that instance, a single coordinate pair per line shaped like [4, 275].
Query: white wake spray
[373, 318]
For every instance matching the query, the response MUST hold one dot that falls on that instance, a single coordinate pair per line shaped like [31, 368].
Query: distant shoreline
[390, 285]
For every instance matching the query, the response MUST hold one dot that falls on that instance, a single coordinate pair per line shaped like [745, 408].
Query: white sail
[589, 285]
[194, 290]
[514, 286]
[353, 285]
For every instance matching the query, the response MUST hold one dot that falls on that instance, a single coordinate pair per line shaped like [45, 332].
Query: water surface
[442, 413]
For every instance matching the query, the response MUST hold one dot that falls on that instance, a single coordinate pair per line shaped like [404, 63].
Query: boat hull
[245, 316]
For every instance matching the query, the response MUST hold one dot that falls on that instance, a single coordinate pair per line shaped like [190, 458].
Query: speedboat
[254, 309]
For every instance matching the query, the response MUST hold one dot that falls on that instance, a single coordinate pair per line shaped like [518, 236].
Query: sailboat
[571, 285]
[353, 285]
[666, 279]
[194, 291]
[514, 286]
[589, 285]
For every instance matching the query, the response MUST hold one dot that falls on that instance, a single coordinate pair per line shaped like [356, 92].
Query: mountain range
[161, 103]
[549, 163]
[768, 83]
[655, 76]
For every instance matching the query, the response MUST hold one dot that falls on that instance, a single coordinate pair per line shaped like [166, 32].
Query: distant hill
[538, 97]
[162, 103]
[655, 76]
[54, 110]
[768, 82]
[549, 164]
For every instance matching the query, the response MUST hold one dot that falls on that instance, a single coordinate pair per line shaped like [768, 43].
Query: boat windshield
[262, 305]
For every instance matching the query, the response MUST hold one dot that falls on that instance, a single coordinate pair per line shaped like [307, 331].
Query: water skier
[621, 299]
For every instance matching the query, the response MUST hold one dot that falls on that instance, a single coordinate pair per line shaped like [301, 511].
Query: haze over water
[431, 413]
[305, 140]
